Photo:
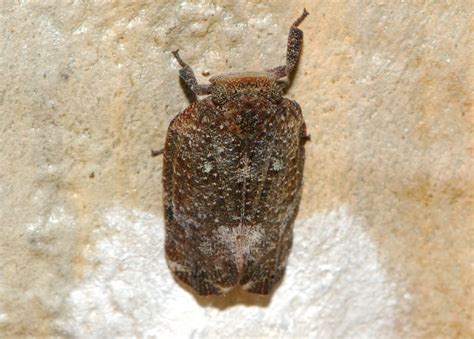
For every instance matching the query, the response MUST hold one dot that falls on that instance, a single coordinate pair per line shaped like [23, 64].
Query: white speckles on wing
[207, 167]
[225, 290]
[175, 267]
[245, 171]
[239, 240]
[248, 285]
[277, 165]
[184, 220]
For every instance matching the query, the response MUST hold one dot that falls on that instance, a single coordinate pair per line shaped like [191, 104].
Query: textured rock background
[383, 242]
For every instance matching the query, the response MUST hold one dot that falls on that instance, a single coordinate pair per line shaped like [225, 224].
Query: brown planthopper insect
[232, 177]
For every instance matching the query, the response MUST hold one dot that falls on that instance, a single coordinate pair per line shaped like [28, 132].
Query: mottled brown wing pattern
[231, 197]
[278, 201]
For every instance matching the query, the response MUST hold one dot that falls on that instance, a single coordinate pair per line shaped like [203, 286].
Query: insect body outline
[232, 177]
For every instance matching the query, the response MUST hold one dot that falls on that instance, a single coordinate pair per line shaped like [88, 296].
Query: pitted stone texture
[87, 89]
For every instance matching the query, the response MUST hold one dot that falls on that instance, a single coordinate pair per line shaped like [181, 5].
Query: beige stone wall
[87, 89]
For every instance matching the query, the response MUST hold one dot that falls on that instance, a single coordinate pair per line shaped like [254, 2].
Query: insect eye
[219, 94]
[276, 91]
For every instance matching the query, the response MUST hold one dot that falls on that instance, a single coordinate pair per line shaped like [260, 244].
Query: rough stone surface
[383, 240]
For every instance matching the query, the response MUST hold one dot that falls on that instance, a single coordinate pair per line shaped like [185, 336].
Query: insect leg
[295, 42]
[186, 73]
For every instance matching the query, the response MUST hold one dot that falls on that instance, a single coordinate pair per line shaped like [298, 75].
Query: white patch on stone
[334, 278]
[52, 232]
